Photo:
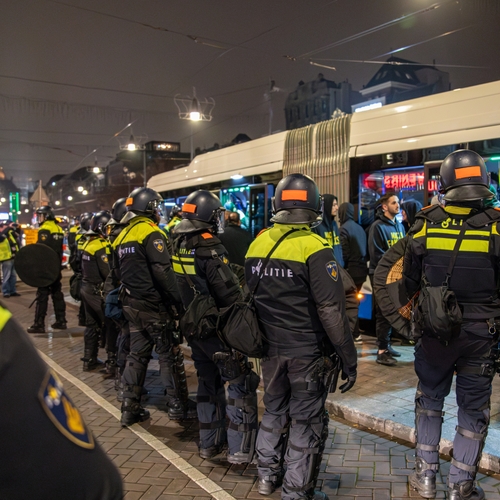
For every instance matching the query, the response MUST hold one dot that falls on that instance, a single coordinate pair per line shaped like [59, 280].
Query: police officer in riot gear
[200, 263]
[300, 303]
[76, 240]
[174, 218]
[470, 353]
[95, 270]
[113, 228]
[50, 234]
[151, 304]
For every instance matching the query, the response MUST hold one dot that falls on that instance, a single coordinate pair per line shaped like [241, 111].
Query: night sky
[74, 73]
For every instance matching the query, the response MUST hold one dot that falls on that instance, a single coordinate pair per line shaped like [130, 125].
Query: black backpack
[437, 313]
[238, 325]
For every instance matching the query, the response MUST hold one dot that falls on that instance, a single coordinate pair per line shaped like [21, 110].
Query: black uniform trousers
[211, 399]
[42, 300]
[435, 365]
[144, 335]
[97, 325]
[289, 406]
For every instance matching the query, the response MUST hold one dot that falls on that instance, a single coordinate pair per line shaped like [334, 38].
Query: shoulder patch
[206, 236]
[332, 270]
[104, 258]
[43, 236]
[159, 245]
[62, 412]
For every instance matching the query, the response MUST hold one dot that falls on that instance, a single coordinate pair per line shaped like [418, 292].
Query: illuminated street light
[138, 144]
[2, 200]
[57, 203]
[70, 198]
[85, 192]
[80, 189]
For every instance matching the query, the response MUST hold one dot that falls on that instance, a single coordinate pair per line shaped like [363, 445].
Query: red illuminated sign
[411, 181]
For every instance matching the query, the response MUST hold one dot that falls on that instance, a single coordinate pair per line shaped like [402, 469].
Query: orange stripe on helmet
[189, 208]
[294, 195]
[462, 173]
[129, 202]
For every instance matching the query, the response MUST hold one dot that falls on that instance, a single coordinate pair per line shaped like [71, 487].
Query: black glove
[351, 380]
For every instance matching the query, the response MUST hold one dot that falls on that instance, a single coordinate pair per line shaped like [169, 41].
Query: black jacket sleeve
[328, 292]
[346, 248]
[413, 262]
[102, 259]
[222, 282]
[161, 268]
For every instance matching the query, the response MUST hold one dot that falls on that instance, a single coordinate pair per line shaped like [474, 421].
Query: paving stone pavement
[358, 462]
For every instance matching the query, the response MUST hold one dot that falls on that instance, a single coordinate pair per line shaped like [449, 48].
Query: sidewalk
[159, 459]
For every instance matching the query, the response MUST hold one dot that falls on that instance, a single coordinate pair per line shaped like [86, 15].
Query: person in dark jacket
[52, 235]
[235, 239]
[409, 210]
[384, 232]
[51, 451]
[200, 264]
[329, 228]
[300, 303]
[471, 352]
[354, 246]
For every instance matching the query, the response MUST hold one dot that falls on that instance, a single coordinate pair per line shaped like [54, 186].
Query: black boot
[268, 484]
[465, 490]
[36, 328]
[133, 412]
[59, 325]
[90, 360]
[110, 368]
[423, 478]
[177, 410]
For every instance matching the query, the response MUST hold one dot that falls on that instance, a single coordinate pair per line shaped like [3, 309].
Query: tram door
[260, 207]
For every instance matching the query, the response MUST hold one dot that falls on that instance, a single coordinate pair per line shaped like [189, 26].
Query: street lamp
[134, 144]
[191, 108]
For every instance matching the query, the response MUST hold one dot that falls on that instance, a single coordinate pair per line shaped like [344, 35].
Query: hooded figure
[353, 242]
[329, 229]
[409, 210]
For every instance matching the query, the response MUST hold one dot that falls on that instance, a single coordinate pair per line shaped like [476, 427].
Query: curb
[490, 463]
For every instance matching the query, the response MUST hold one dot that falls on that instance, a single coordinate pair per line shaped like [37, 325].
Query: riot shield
[37, 265]
[390, 291]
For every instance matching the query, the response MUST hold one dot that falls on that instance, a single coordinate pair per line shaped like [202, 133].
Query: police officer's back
[465, 225]
[200, 263]
[50, 234]
[300, 303]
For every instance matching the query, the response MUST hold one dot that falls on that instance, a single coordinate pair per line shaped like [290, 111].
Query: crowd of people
[138, 282]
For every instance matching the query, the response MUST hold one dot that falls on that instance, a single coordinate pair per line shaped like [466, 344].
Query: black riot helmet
[297, 201]
[144, 201]
[464, 177]
[201, 210]
[175, 212]
[44, 213]
[98, 223]
[85, 221]
[118, 210]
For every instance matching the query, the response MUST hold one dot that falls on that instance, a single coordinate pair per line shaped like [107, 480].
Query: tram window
[236, 200]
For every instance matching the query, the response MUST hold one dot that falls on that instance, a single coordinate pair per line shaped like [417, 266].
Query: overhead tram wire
[369, 31]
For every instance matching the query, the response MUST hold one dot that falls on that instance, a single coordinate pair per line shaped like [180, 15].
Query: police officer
[76, 240]
[200, 263]
[151, 304]
[113, 228]
[43, 422]
[464, 182]
[300, 303]
[175, 218]
[50, 234]
[95, 270]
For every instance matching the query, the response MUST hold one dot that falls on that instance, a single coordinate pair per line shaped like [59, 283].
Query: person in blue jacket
[384, 232]
[329, 229]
